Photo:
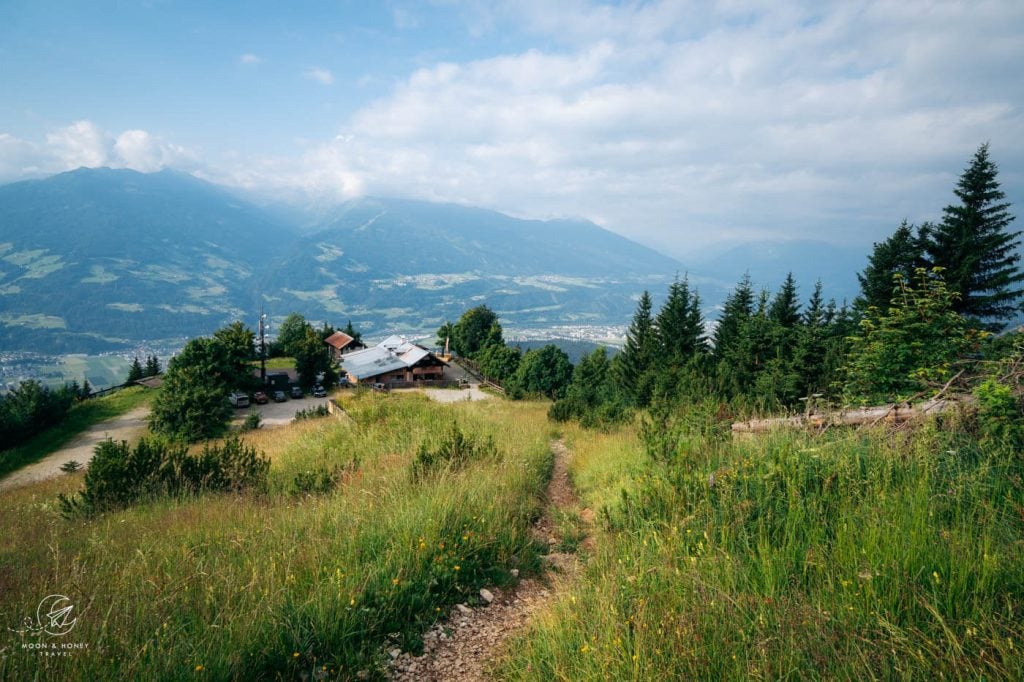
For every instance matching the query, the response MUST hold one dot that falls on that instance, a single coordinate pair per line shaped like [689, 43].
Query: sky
[683, 125]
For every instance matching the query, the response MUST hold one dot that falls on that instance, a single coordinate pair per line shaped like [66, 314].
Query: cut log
[891, 414]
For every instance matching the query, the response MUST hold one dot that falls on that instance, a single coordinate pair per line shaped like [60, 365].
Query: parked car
[280, 397]
[319, 392]
[297, 392]
[239, 399]
[260, 398]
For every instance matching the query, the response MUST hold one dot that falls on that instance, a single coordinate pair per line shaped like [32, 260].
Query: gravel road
[129, 426]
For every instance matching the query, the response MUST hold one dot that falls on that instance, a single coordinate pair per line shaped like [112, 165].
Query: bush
[120, 475]
[311, 413]
[252, 421]
[454, 451]
[322, 480]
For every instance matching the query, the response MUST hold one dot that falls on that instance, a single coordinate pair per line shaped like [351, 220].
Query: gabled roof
[338, 340]
[393, 342]
[391, 354]
[371, 362]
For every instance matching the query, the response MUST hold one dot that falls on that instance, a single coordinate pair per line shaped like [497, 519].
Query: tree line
[137, 370]
[931, 296]
[33, 407]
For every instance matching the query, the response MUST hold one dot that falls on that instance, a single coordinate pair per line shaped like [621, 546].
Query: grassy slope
[81, 417]
[847, 556]
[260, 587]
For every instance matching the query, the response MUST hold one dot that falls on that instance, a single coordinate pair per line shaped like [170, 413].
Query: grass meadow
[280, 585]
[851, 555]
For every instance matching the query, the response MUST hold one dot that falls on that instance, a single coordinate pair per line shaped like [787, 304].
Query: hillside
[842, 555]
[93, 258]
[96, 259]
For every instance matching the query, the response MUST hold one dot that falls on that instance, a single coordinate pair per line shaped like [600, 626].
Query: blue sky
[680, 124]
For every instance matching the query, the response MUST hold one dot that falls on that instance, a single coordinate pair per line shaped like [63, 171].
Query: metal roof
[371, 362]
[391, 354]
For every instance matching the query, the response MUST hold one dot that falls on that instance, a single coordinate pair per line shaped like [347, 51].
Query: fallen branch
[893, 414]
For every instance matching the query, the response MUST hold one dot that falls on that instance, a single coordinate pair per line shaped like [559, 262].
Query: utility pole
[263, 347]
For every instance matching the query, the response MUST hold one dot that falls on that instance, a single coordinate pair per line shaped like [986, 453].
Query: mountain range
[101, 259]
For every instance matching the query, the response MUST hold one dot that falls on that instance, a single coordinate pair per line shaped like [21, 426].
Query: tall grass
[78, 419]
[852, 555]
[278, 586]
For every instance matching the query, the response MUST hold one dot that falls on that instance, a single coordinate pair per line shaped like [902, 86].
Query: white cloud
[675, 122]
[138, 150]
[249, 59]
[83, 143]
[80, 144]
[322, 76]
[682, 123]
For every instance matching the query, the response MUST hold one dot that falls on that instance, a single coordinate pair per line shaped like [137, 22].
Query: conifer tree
[900, 253]
[351, 331]
[809, 353]
[739, 306]
[680, 325]
[637, 355]
[135, 371]
[973, 245]
[152, 366]
[785, 307]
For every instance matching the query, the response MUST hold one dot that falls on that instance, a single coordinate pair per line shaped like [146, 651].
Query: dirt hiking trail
[467, 643]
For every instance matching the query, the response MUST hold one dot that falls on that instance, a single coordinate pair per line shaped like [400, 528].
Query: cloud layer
[678, 123]
[683, 125]
[83, 143]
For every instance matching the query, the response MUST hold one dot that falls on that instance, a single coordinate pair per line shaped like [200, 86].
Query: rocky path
[463, 646]
[128, 426]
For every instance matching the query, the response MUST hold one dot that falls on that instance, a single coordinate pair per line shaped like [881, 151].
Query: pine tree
[972, 244]
[351, 331]
[785, 307]
[809, 354]
[900, 253]
[135, 371]
[739, 306]
[638, 354]
[679, 325]
[86, 389]
[152, 366]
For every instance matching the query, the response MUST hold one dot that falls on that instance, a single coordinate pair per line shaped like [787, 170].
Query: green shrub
[119, 475]
[321, 480]
[999, 414]
[252, 421]
[455, 450]
[311, 413]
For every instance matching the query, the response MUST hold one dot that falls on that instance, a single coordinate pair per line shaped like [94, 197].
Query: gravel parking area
[279, 414]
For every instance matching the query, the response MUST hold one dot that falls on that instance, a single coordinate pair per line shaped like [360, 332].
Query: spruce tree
[973, 245]
[152, 366]
[900, 253]
[638, 354]
[679, 325]
[785, 307]
[739, 306]
[809, 353]
[135, 371]
[356, 336]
